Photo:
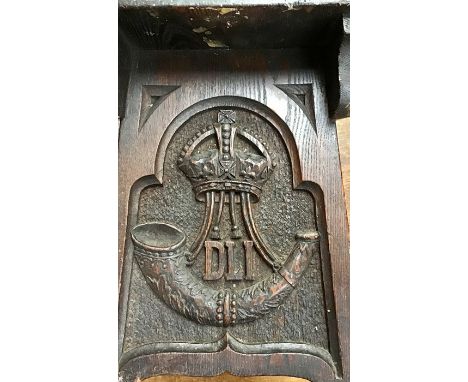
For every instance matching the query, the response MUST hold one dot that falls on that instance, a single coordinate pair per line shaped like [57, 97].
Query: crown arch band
[244, 103]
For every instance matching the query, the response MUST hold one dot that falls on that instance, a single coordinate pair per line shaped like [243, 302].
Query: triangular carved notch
[303, 95]
[152, 96]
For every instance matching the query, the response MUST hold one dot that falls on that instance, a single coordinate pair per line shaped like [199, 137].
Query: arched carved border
[230, 101]
[223, 356]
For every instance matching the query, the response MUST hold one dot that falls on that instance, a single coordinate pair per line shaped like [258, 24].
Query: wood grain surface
[224, 378]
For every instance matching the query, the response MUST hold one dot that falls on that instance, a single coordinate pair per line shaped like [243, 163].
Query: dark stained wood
[256, 81]
[223, 378]
[236, 27]
[299, 365]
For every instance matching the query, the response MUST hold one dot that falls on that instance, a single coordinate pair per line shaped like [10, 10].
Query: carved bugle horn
[161, 255]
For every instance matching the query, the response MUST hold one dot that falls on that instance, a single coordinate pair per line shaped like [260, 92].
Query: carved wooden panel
[232, 223]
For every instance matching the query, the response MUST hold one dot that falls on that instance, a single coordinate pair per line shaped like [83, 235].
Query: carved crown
[226, 168]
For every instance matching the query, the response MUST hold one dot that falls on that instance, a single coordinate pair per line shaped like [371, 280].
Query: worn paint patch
[223, 11]
[214, 43]
[199, 30]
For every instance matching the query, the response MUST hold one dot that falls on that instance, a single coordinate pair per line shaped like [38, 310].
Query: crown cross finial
[227, 116]
[226, 134]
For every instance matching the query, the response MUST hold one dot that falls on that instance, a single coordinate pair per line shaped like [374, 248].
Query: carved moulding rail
[229, 354]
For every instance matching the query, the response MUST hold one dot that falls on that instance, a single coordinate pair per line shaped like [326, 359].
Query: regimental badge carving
[227, 179]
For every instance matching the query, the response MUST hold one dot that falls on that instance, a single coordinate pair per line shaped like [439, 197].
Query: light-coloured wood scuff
[342, 127]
